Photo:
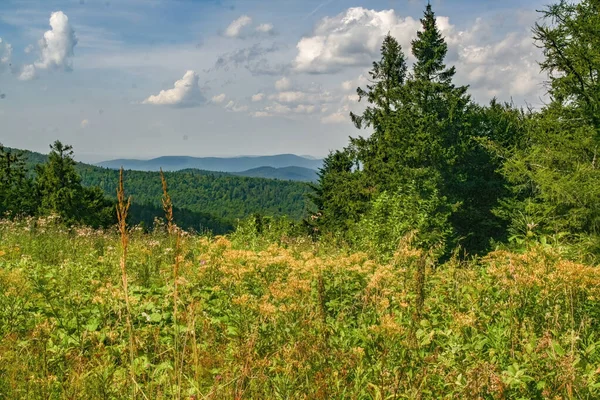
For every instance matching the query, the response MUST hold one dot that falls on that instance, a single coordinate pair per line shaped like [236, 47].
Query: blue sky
[144, 78]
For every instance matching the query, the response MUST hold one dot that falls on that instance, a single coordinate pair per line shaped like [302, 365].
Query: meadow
[246, 316]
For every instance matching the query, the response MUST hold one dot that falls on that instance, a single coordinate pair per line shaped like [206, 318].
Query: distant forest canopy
[36, 184]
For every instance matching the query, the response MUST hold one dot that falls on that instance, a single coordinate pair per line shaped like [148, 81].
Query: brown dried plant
[173, 230]
[122, 211]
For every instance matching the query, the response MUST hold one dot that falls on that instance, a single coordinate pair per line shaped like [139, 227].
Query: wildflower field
[230, 318]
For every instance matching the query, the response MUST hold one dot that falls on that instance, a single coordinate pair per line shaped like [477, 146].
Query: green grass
[286, 320]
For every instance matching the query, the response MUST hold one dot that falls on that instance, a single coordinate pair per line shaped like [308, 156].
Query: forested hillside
[203, 199]
[284, 173]
[222, 195]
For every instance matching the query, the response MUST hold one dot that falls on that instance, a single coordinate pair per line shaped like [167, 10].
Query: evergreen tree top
[430, 49]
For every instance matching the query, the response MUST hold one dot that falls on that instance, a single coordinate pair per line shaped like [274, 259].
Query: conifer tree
[61, 191]
[17, 193]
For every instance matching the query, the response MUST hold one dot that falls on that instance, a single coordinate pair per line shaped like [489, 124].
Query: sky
[147, 78]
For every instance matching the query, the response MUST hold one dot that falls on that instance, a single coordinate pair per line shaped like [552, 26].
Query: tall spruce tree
[350, 177]
[387, 76]
[384, 96]
[58, 182]
[61, 191]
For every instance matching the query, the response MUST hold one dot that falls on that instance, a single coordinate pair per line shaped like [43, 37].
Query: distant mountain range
[284, 173]
[245, 165]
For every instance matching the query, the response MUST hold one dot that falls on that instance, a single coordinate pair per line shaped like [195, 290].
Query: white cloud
[258, 97]
[233, 106]
[235, 29]
[505, 68]
[288, 97]
[27, 73]
[58, 44]
[185, 93]
[85, 123]
[336, 118]
[56, 48]
[277, 108]
[351, 38]
[283, 84]
[351, 85]
[305, 109]
[29, 49]
[218, 99]
[261, 114]
[265, 28]
[5, 55]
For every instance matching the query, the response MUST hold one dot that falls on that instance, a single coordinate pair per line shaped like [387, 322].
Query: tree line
[451, 173]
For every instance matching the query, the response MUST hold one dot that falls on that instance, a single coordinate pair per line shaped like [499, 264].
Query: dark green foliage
[205, 201]
[496, 131]
[570, 38]
[554, 174]
[17, 191]
[340, 197]
[61, 192]
[423, 130]
[223, 196]
[284, 173]
[388, 76]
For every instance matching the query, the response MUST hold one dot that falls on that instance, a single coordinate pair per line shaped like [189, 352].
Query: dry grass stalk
[122, 210]
[172, 229]
[166, 202]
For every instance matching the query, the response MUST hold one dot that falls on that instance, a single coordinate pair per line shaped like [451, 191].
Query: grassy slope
[287, 320]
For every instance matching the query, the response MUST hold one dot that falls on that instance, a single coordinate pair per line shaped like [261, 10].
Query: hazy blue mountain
[231, 164]
[285, 173]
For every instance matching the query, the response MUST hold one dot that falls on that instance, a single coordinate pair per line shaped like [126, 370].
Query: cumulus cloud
[56, 48]
[265, 28]
[351, 85]
[27, 73]
[351, 38]
[283, 84]
[305, 109]
[494, 64]
[336, 118]
[235, 107]
[5, 55]
[258, 97]
[288, 97]
[236, 28]
[507, 67]
[185, 93]
[218, 99]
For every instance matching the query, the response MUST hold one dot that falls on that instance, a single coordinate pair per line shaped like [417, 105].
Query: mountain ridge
[219, 164]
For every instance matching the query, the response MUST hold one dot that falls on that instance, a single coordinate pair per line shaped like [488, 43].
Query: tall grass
[242, 317]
